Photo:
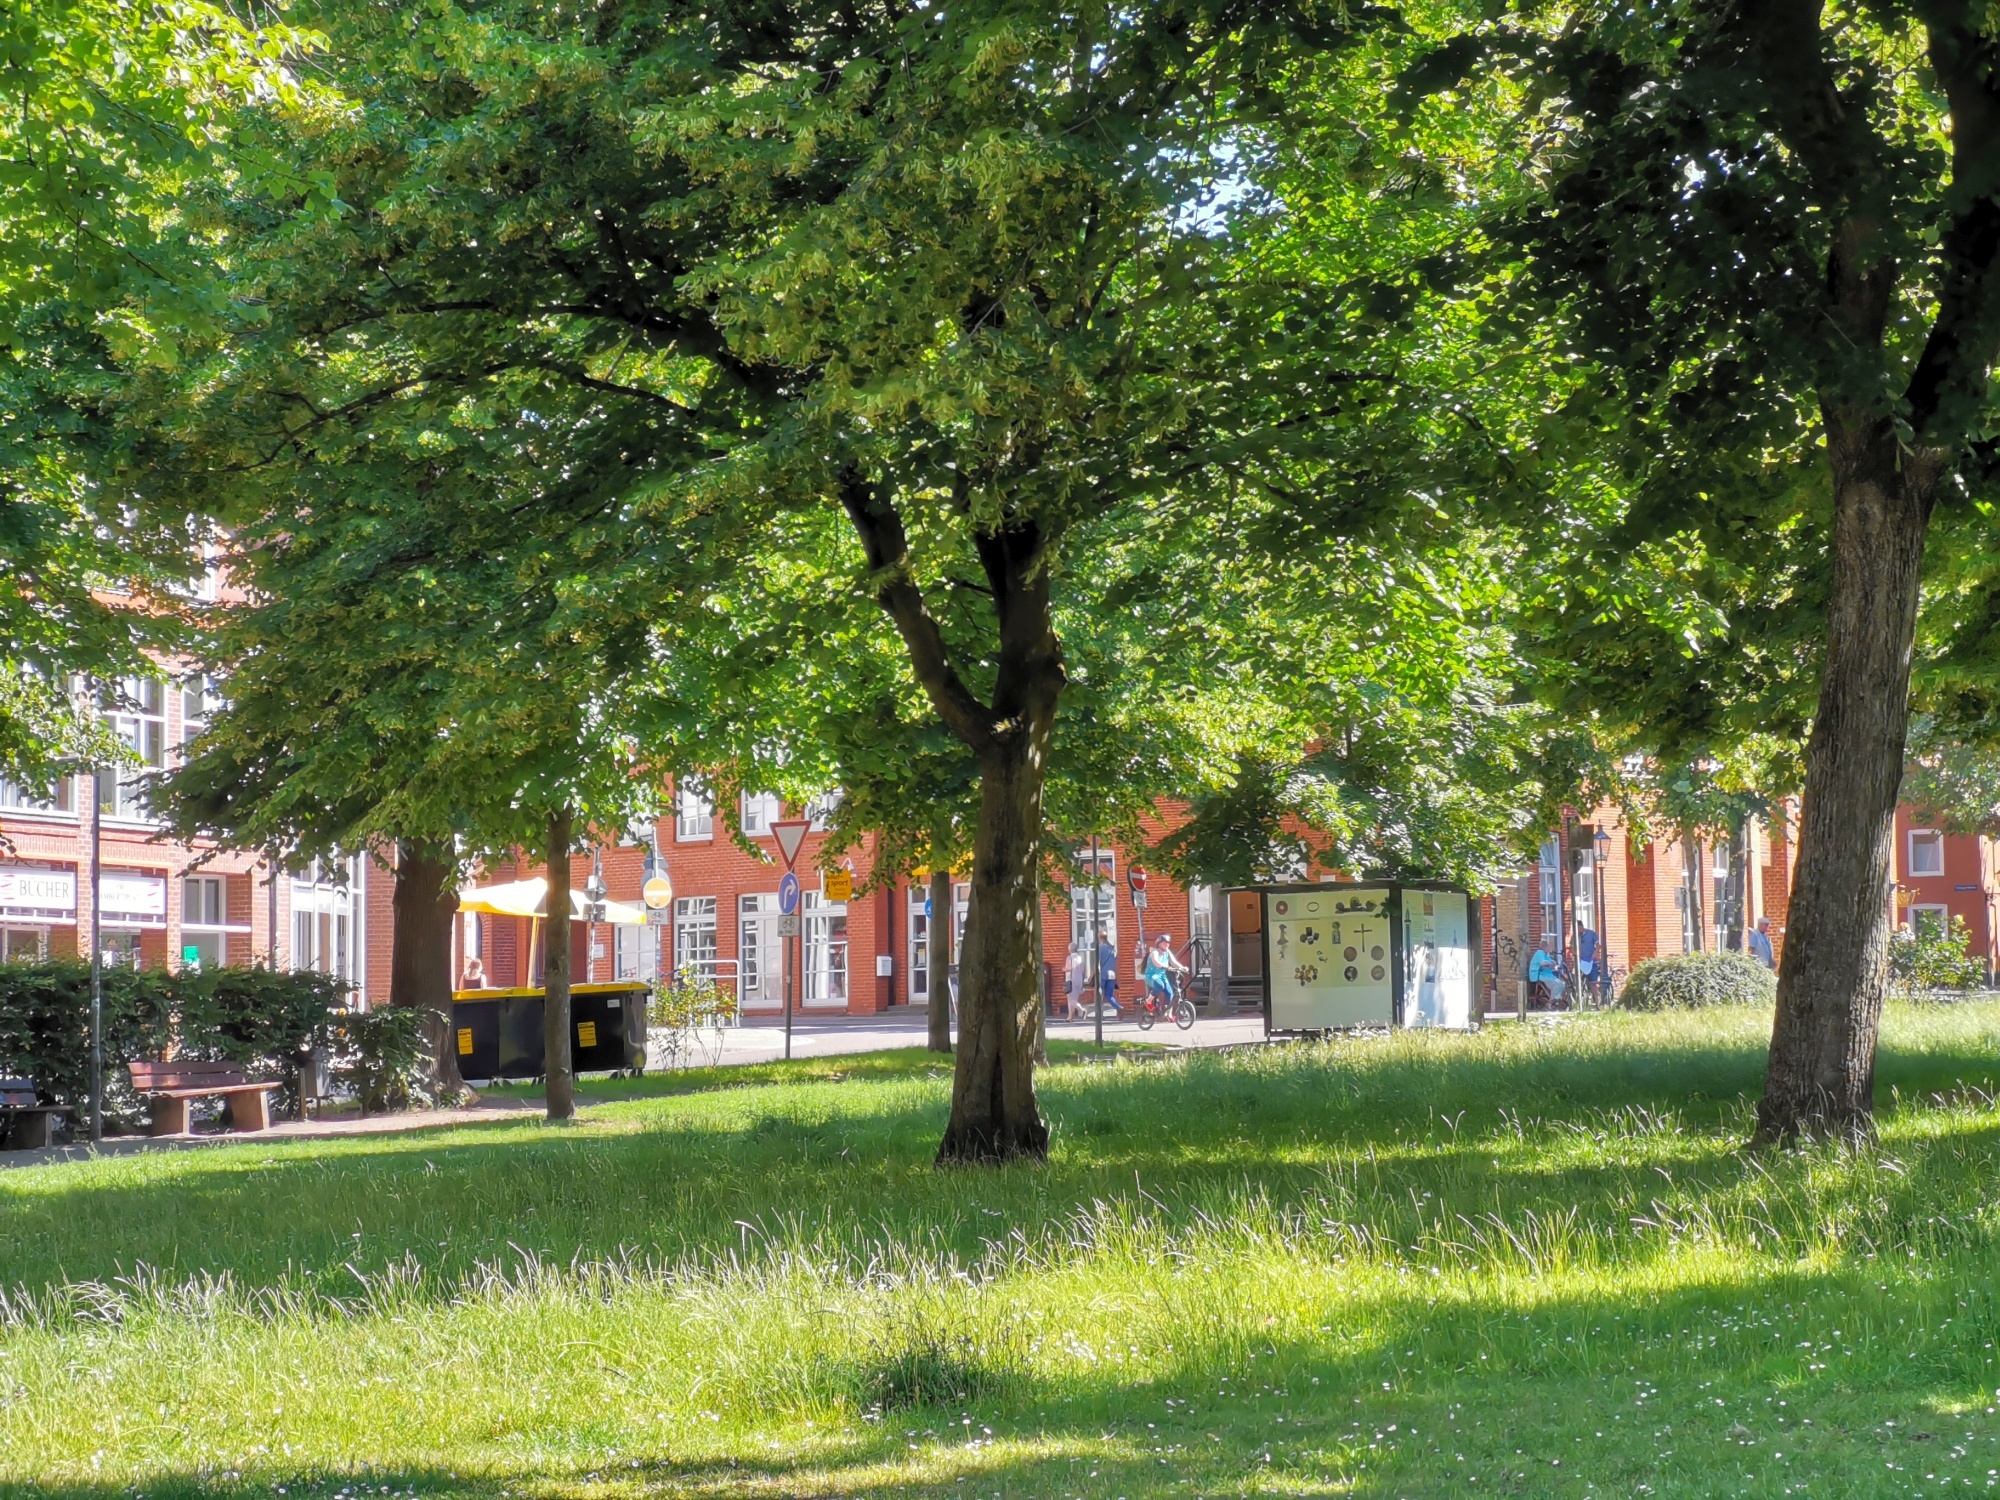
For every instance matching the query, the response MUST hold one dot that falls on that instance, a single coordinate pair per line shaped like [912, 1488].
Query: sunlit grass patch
[1533, 1260]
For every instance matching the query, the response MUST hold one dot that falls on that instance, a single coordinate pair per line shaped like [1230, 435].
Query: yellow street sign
[837, 885]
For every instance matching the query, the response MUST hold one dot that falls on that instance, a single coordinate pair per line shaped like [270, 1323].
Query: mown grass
[1532, 1261]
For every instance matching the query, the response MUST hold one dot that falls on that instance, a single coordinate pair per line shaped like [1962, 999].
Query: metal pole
[96, 955]
[1096, 940]
[791, 971]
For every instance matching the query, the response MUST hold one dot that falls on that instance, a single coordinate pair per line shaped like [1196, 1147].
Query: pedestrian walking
[1760, 944]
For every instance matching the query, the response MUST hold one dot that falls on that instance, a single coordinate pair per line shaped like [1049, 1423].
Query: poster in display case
[1379, 954]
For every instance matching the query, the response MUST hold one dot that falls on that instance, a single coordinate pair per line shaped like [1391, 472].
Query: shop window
[23, 945]
[326, 918]
[637, 953]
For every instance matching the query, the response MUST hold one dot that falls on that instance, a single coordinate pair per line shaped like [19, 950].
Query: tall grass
[1529, 1261]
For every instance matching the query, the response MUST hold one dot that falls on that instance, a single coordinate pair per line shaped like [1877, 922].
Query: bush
[255, 1017]
[1689, 981]
[1929, 961]
[686, 1020]
[385, 1057]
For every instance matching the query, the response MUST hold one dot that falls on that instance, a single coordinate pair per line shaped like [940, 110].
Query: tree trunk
[555, 972]
[939, 954]
[1820, 1080]
[420, 976]
[994, 1116]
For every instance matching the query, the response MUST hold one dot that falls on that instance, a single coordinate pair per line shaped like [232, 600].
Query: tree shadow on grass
[846, 1168]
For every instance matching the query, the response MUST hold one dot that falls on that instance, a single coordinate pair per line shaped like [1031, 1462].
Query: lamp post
[1602, 844]
[1096, 941]
[96, 954]
[593, 912]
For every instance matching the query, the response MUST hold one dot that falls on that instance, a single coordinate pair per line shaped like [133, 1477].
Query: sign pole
[96, 955]
[790, 834]
[1096, 940]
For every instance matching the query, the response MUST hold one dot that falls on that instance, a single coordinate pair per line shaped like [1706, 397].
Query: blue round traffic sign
[788, 894]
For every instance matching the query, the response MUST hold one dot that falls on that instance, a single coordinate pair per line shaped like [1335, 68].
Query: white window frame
[695, 937]
[694, 815]
[918, 944]
[1583, 890]
[1935, 908]
[1933, 839]
[820, 810]
[1550, 890]
[636, 953]
[137, 714]
[825, 966]
[327, 920]
[757, 811]
[38, 931]
[760, 954]
[1079, 915]
[61, 803]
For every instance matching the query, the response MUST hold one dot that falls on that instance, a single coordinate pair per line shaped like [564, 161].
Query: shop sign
[37, 889]
[134, 898]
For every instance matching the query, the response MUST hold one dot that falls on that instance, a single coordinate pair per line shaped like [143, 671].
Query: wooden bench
[169, 1086]
[24, 1124]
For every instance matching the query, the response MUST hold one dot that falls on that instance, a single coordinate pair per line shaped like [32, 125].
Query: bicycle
[1153, 1007]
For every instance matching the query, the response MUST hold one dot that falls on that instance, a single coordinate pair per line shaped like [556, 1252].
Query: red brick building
[163, 903]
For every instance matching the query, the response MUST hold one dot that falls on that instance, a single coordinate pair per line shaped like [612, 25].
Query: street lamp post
[1602, 843]
[96, 954]
[1096, 942]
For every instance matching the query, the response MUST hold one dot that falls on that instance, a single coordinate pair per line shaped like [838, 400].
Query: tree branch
[887, 547]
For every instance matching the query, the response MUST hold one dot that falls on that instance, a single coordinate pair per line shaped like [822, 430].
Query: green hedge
[1688, 981]
[261, 1019]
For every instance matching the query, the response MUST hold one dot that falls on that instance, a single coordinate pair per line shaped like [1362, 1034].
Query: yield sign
[790, 834]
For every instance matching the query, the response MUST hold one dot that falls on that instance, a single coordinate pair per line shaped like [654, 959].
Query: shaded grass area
[1529, 1261]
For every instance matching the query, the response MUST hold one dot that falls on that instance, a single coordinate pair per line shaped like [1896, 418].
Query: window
[23, 945]
[694, 937]
[760, 957]
[819, 811]
[17, 798]
[137, 714]
[920, 944]
[760, 811]
[201, 700]
[1930, 921]
[1583, 889]
[1551, 889]
[1926, 852]
[826, 951]
[121, 948]
[204, 915]
[637, 954]
[1201, 928]
[694, 814]
[1080, 915]
[326, 918]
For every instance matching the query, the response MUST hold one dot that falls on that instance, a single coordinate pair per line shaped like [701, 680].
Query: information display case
[1372, 954]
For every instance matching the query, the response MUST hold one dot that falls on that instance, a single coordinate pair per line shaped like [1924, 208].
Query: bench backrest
[16, 1093]
[149, 1077]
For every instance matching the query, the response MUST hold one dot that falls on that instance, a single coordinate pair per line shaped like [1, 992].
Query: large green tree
[1765, 240]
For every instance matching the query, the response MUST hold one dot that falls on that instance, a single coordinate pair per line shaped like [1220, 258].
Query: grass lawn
[1531, 1261]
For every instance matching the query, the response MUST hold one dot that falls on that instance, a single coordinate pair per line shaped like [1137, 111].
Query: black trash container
[499, 1032]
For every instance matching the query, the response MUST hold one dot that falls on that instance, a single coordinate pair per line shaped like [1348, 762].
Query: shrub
[1688, 981]
[686, 1020]
[385, 1057]
[1929, 960]
[261, 1019]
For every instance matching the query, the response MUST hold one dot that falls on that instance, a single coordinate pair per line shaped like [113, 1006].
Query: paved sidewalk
[762, 1038]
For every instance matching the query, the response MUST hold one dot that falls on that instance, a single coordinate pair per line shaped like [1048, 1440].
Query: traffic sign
[657, 892]
[1139, 898]
[790, 834]
[1136, 878]
[788, 925]
[788, 893]
[837, 885]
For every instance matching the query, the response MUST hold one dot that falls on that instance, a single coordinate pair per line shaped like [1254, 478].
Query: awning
[523, 898]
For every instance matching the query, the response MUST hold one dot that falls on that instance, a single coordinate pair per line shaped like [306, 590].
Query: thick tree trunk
[993, 1112]
[555, 972]
[425, 902]
[1820, 1080]
[939, 954]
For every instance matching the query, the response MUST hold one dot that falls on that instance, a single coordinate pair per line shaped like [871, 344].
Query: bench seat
[24, 1124]
[169, 1087]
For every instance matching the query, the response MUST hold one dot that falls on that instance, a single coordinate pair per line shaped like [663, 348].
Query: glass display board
[1437, 956]
[1331, 958]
